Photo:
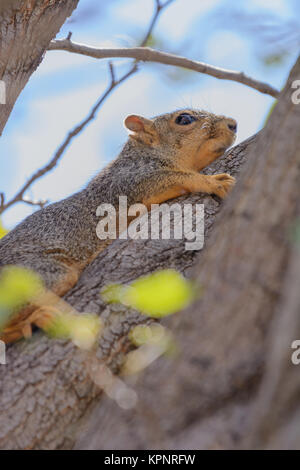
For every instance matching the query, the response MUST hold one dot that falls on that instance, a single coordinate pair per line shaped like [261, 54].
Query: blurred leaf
[152, 341]
[3, 231]
[18, 286]
[114, 293]
[155, 42]
[274, 59]
[274, 37]
[83, 330]
[4, 317]
[295, 232]
[160, 294]
[272, 107]
[156, 295]
[155, 334]
[178, 74]
[141, 334]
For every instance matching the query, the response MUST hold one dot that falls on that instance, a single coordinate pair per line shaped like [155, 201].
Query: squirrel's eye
[185, 119]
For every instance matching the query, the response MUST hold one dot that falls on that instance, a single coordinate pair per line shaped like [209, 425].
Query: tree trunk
[233, 384]
[46, 387]
[233, 356]
[26, 29]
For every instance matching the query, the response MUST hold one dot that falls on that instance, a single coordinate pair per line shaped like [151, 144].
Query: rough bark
[45, 386]
[26, 29]
[233, 384]
[212, 394]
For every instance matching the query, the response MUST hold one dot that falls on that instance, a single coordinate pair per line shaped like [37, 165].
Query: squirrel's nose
[232, 125]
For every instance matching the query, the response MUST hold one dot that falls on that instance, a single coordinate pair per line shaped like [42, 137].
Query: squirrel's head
[191, 138]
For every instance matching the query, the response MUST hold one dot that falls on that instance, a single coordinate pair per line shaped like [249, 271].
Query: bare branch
[19, 197]
[2, 200]
[157, 12]
[147, 54]
[112, 72]
[41, 203]
[167, 3]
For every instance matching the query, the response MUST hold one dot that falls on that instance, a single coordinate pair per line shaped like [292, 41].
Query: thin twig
[2, 200]
[166, 4]
[159, 8]
[19, 197]
[31, 202]
[112, 72]
[147, 54]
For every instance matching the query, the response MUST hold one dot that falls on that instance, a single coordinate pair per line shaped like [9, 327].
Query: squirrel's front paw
[224, 183]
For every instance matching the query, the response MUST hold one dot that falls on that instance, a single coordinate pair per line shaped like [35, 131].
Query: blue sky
[65, 86]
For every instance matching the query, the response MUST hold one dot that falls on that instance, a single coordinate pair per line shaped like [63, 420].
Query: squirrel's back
[160, 161]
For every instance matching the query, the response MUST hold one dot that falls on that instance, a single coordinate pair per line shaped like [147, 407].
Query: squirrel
[160, 161]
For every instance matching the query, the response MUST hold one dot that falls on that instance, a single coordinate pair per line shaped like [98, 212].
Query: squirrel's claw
[225, 183]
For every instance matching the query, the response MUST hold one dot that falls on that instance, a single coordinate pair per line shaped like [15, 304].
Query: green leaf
[272, 107]
[156, 295]
[152, 341]
[3, 231]
[154, 334]
[294, 232]
[83, 330]
[275, 59]
[18, 286]
[114, 293]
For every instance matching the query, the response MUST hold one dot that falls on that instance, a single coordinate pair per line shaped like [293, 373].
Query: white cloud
[138, 12]
[57, 61]
[177, 20]
[281, 6]
[234, 50]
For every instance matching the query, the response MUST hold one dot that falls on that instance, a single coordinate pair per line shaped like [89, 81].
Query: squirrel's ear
[143, 129]
[135, 123]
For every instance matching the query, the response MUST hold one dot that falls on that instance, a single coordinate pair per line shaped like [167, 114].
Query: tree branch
[40, 203]
[19, 197]
[146, 54]
[114, 82]
[159, 8]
